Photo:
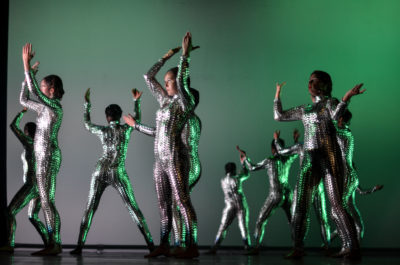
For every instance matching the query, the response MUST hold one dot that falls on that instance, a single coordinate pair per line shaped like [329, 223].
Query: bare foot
[51, 250]
[190, 253]
[162, 249]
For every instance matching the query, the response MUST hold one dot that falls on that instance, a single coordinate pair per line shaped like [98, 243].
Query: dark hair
[114, 112]
[347, 116]
[325, 82]
[174, 70]
[230, 167]
[281, 142]
[54, 81]
[196, 96]
[30, 127]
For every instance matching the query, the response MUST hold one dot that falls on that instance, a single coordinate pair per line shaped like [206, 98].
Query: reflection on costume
[171, 168]
[47, 152]
[319, 197]
[235, 206]
[280, 193]
[110, 171]
[28, 193]
[322, 158]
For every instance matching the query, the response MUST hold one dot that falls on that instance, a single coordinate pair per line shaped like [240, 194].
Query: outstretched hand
[278, 89]
[276, 134]
[136, 94]
[354, 91]
[378, 187]
[242, 154]
[129, 120]
[171, 53]
[35, 67]
[87, 95]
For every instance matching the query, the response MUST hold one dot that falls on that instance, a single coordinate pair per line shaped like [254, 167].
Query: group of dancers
[325, 159]
[326, 169]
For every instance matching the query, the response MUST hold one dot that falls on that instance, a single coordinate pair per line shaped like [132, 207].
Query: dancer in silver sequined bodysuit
[47, 152]
[346, 141]
[171, 172]
[235, 205]
[319, 198]
[322, 159]
[280, 192]
[110, 169]
[28, 193]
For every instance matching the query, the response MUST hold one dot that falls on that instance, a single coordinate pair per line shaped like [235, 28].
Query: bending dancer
[171, 173]
[235, 204]
[28, 193]
[110, 169]
[322, 158]
[47, 152]
[319, 198]
[346, 142]
[280, 193]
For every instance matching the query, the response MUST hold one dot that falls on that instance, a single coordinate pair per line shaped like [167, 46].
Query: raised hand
[35, 67]
[276, 134]
[378, 187]
[354, 91]
[171, 53]
[242, 154]
[187, 44]
[87, 95]
[27, 56]
[129, 120]
[278, 89]
[136, 94]
[24, 109]
[296, 135]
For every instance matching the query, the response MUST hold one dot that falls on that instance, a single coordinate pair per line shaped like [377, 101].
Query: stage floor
[224, 257]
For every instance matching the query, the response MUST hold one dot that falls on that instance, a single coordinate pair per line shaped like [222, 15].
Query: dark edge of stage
[3, 117]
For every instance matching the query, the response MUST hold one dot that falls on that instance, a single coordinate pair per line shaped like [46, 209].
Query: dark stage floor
[228, 257]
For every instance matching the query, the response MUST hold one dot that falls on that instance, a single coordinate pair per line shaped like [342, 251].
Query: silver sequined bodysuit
[47, 152]
[235, 206]
[322, 159]
[110, 171]
[171, 167]
[28, 193]
[319, 197]
[280, 193]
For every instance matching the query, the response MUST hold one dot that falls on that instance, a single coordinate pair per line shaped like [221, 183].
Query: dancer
[346, 142]
[110, 169]
[235, 204]
[28, 193]
[322, 158]
[319, 197]
[171, 173]
[280, 193]
[47, 152]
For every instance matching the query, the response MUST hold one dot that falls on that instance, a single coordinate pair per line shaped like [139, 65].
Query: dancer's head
[274, 150]
[113, 113]
[52, 87]
[345, 118]
[170, 81]
[30, 129]
[320, 84]
[230, 167]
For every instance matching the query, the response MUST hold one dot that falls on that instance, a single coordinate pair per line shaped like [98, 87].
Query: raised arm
[290, 151]
[137, 113]
[30, 78]
[95, 129]
[24, 139]
[362, 191]
[27, 102]
[292, 114]
[150, 77]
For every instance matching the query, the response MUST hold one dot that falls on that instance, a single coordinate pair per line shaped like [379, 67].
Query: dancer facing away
[28, 193]
[280, 193]
[346, 141]
[319, 197]
[171, 172]
[235, 204]
[47, 152]
[322, 158]
[110, 169]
